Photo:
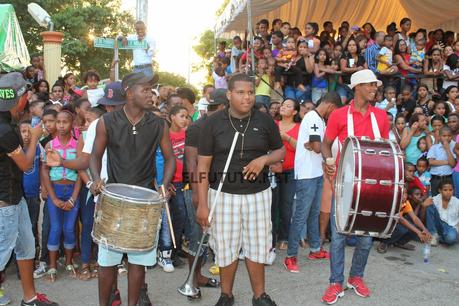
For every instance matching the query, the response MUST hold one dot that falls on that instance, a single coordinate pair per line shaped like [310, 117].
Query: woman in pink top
[289, 127]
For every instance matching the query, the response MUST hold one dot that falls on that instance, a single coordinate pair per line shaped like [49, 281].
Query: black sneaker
[176, 261]
[40, 300]
[115, 298]
[263, 300]
[144, 300]
[225, 300]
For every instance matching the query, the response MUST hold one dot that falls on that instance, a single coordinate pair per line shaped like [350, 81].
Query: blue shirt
[424, 178]
[31, 177]
[371, 55]
[437, 152]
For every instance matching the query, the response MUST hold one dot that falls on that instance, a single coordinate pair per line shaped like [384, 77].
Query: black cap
[12, 87]
[113, 95]
[218, 96]
[138, 78]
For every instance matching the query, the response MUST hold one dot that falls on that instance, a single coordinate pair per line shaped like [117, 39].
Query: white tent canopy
[428, 14]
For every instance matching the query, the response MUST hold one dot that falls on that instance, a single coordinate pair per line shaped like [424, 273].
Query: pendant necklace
[134, 131]
[243, 133]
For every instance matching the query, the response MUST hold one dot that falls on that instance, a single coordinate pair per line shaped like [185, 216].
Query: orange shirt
[405, 208]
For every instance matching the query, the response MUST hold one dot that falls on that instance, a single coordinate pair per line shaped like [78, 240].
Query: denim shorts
[111, 258]
[16, 233]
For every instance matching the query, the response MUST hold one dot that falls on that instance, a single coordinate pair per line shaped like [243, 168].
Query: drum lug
[359, 233]
[384, 153]
[381, 214]
[373, 234]
[370, 152]
[366, 213]
[370, 181]
[385, 182]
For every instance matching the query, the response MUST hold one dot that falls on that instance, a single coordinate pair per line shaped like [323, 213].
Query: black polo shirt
[10, 174]
[192, 132]
[215, 140]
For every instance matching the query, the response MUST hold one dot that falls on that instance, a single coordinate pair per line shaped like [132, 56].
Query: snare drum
[127, 218]
[369, 187]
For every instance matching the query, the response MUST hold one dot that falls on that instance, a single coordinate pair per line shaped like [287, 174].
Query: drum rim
[106, 192]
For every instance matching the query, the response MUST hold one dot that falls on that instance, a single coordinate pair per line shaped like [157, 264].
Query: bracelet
[89, 184]
[71, 201]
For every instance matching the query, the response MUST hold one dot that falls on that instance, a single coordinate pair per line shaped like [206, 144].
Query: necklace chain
[243, 133]
[134, 130]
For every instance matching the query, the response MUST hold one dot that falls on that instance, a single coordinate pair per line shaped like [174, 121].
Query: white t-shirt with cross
[308, 164]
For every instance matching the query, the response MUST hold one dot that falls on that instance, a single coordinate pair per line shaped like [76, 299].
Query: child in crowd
[31, 178]
[422, 172]
[263, 83]
[442, 215]
[412, 180]
[437, 122]
[63, 186]
[423, 100]
[406, 103]
[389, 102]
[409, 225]
[57, 95]
[219, 74]
[204, 101]
[178, 116]
[422, 147]
[36, 109]
[399, 126]
[322, 68]
[81, 105]
[442, 159]
[236, 52]
[284, 60]
[384, 58]
[442, 110]
[274, 109]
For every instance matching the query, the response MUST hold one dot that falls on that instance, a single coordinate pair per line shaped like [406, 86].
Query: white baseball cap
[364, 76]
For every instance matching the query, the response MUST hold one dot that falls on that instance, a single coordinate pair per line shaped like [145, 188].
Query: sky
[176, 26]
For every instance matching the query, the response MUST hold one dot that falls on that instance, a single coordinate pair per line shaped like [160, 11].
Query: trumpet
[188, 288]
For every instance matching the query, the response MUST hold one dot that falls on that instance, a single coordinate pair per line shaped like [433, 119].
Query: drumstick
[168, 214]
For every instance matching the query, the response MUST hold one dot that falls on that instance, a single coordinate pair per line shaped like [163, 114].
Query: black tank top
[131, 158]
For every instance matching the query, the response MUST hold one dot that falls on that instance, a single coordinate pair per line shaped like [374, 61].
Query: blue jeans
[148, 71]
[178, 213]
[33, 205]
[87, 221]
[338, 243]
[298, 95]
[16, 233]
[308, 200]
[447, 233]
[317, 93]
[456, 183]
[45, 234]
[287, 186]
[61, 220]
[165, 239]
[263, 100]
[344, 90]
[400, 235]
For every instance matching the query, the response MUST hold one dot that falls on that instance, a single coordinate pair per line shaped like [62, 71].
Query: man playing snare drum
[359, 114]
[131, 136]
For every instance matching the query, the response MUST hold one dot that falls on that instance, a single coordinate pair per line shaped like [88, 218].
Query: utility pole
[142, 10]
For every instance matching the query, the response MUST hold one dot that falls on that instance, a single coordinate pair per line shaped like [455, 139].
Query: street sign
[109, 43]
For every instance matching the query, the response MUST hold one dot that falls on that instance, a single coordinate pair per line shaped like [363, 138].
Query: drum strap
[350, 124]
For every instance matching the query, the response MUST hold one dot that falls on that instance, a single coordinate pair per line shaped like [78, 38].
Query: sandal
[382, 248]
[211, 283]
[52, 274]
[71, 270]
[85, 273]
[94, 270]
[195, 297]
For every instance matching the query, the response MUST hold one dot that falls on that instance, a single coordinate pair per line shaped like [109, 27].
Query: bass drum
[369, 187]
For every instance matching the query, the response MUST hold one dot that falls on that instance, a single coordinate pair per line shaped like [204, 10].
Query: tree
[80, 21]
[174, 80]
[205, 49]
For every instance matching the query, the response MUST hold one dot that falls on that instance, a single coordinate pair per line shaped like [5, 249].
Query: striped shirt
[371, 55]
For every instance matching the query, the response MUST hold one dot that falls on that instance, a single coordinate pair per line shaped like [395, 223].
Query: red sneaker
[358, 285]
[322, 254]
[290, 264]
[333, 292]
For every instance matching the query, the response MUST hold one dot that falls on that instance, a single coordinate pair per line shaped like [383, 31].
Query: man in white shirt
[142, 58]
[309, 182]
[442, 215]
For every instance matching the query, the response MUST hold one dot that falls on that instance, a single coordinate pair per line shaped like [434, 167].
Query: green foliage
[174, 80]
[80, 20]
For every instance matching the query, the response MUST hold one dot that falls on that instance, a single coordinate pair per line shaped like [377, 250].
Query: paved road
[396, 278]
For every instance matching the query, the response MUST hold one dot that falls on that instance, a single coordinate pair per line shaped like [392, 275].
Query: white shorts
[241, 221]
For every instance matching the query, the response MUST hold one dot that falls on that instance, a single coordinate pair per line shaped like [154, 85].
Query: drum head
[132, 193]
[345, 181]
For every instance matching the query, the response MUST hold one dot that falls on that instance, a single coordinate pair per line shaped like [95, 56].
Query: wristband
[89, 184]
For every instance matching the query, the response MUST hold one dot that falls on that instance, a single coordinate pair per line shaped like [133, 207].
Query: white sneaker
[40, 271]
[165, 261]
[434, 241]
[271, 256]
[122, 269]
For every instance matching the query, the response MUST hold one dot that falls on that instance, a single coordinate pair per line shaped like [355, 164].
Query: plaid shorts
[241, 221]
